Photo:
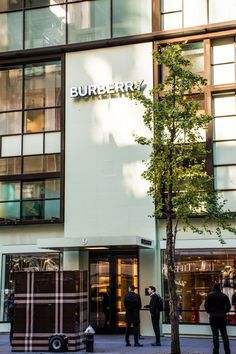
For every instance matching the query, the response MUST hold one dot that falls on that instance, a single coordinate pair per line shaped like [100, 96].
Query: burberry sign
[109, 89]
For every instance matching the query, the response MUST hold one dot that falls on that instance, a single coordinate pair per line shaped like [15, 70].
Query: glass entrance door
[110, 276]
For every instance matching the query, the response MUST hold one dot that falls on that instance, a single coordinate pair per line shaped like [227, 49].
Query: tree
[180, 186]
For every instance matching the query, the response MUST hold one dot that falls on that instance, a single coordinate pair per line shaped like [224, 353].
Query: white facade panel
[11, 146]
[225, 177]
[52, 143]
[224, 152]
[104, 192]
[33, 144]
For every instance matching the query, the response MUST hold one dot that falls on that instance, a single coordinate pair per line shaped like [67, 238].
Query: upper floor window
[223, 61]
[30, 143]
[180, 14]
[70, 21]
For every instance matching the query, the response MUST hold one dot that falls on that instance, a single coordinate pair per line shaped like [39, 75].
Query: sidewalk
[114, 344]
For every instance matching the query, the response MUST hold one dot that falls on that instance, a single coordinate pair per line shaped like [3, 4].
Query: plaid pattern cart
[46, 304]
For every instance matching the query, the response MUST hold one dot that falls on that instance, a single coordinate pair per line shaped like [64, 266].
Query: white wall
[104, 193]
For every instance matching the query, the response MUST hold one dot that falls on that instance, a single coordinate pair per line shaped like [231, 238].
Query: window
[30, 143]
[179, 13]
[196, 272]
[70, 21]
[224, 146]
[223, 61]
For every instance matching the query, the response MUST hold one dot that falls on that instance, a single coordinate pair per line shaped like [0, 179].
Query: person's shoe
[156, 344]
[138, 345]
[128, 345]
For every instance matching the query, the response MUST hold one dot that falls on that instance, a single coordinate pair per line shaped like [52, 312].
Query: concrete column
[75, 260]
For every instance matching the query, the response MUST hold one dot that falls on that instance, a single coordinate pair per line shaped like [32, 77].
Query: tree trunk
[174, 319]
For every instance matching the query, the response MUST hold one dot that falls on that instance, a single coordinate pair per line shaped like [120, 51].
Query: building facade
[71, 192]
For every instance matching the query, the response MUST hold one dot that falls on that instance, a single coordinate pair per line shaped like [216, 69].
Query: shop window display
[21, 263]
[196, 272]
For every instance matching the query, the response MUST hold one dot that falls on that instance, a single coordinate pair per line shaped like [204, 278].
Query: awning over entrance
[75, 243]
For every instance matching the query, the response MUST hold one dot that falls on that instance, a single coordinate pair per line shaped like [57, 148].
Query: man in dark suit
[132, 303]
[155, 313]
[217, 305]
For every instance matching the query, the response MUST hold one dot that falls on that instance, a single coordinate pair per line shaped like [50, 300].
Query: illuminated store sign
[96, 90]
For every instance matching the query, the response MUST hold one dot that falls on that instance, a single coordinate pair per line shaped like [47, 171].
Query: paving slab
[114, 344]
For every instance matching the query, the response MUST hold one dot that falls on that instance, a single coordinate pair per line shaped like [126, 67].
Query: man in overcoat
[217, 305]
[132, 303]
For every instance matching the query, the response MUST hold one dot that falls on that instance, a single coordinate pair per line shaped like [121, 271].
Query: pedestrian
[132, 303]
[217, 305]
[10, 313]
[155, 306]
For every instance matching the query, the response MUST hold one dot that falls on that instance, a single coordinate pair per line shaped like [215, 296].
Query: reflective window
[10, 123]
[52, 32]
[10, 166]
[8, 5]
[195, 53]
[36, 149]
[196, 272]
[9, 191]
[42, 85]
[41, 163]
[38, 3]
[41, 120]
[11, 36]
[10, 89]
[88, 21]
[131, 17]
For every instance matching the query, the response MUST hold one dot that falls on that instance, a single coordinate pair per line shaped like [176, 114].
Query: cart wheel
[57, 343]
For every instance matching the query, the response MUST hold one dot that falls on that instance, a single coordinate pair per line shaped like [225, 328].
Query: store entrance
[110, 276]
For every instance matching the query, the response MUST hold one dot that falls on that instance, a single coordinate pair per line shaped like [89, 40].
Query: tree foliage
[176, 167]
[180, 186]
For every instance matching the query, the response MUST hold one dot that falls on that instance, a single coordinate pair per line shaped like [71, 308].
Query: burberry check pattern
[48, 303]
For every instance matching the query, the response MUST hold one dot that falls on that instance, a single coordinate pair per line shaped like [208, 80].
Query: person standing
[155, 306]
[132, 303]
[10, 313]
[217, 305]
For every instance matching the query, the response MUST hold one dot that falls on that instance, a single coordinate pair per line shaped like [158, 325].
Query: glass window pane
[223, 74]
[224, 128]
[9, 191]
[10, 89]
[52, 32]
[52, 209]
[172, 21]
[41, 120]
[225, 177]
[11, 25]
[32, 210]
[88, 21]
[32, 144]
[8, 5]
[10, 123]
[171, 5]
[52, 143]
[52, 188]
[10, 166]
[10, 210]
[224, 152]
[43, 85]
[11, 146]
[37, 3]
[225, 105]
[42, 163]
[196, 17]
[219, 13]
[195, 53]
[223, 51]
[33, 190]
[131, 17]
